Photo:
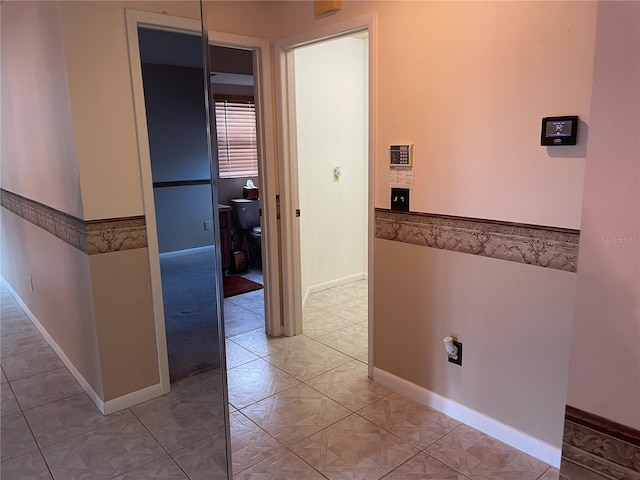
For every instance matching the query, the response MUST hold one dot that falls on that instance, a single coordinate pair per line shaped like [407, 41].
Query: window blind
[236, 133]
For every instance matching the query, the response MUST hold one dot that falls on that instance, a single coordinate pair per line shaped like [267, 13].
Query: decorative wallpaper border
[116, 234]
[601, 446]
[549, 247]
[91, 237]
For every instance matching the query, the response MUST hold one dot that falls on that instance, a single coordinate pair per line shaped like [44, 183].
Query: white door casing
[287, 146]
[267, 164]
[267, 167]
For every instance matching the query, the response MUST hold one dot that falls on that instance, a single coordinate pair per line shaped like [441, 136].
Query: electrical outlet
[207, 225]
[458, 360]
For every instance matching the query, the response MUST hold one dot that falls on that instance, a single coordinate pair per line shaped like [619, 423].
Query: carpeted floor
[191, 320]
[190, 313]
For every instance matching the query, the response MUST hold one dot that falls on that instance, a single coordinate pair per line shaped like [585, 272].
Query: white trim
[267, 164]
[134, 19]
[110, 406]
[372, 59]
[290, 225]
[131, 399]
[522, 441]
[333, 283]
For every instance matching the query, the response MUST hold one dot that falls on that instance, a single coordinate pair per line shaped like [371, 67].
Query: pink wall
[38, 145]
[468, 83]
[604, 376]
[39, 162]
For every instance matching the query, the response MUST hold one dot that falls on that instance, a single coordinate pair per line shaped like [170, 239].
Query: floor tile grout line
[403, 463]
[72, 436]
[307, 463]
[53, 401]
[263, 357]
[351, 358]
[167, 452]
[330, 346]
[263, 430]
[148, 463]
[37, 373]
[78, 435]
[35, 440]
[150, 432]
[424, 452]
[39, 451]
[420, 451]
[269, 396]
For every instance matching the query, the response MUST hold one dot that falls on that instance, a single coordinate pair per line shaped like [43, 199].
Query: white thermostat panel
[401, 155]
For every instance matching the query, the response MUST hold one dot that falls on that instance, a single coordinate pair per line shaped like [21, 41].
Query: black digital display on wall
[559, 130]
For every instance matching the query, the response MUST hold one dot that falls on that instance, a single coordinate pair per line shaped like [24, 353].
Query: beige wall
[251, 18]
[102, 102]
[514, 321]
[605, 358]
[39, 162]
[124, 321]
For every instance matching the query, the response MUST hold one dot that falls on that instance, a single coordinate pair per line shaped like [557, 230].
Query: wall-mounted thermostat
[401, 155]
[559, 130]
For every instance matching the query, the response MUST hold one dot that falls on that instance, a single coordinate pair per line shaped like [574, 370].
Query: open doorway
[331, 117]
[233, 91]
[183, 190]
[327, 179]
[173, 83]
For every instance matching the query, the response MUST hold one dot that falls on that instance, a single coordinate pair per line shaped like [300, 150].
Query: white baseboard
[492, 427]
[105, 408]
[333, 283]
[131, 399]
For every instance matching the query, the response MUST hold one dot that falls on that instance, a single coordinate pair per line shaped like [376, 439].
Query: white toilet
[246, 217]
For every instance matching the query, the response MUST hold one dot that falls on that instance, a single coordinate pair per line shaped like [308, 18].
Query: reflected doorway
[173, 83]
[170, 90]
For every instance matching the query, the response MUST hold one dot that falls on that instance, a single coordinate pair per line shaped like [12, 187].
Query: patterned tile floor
[301, 408]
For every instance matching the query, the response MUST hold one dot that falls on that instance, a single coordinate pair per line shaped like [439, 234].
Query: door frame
[267, 168]
[287, 145]
[267, 158]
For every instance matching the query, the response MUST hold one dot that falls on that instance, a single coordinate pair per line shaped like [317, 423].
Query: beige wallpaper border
[550, 247]
[91, 237]
[601, 446]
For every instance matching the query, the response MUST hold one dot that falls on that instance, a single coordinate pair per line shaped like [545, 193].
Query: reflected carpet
[190, 313]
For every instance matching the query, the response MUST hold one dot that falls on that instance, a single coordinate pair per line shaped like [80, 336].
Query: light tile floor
[301, 408]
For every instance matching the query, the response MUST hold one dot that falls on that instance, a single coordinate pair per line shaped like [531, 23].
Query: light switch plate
[400, 199]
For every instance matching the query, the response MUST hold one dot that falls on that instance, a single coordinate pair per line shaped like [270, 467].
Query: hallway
[301, 408]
